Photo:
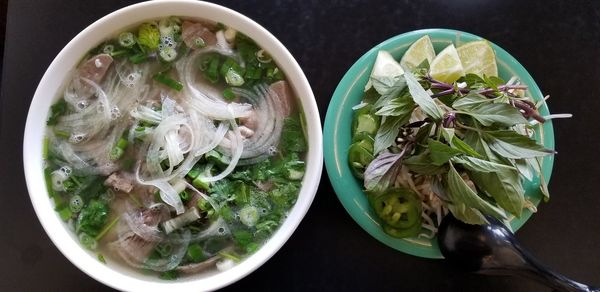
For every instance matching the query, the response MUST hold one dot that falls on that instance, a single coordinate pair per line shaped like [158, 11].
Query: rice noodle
[239, 148]
[205, 103]
[269, 111]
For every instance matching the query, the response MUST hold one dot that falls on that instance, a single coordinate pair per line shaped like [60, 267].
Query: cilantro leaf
[292, 136]
[56, 110]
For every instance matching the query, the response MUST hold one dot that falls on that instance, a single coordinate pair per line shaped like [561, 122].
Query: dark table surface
[557, 42]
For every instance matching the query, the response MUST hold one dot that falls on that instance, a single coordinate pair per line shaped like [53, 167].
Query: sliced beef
[119, 182]
[95, 67]
[286, 96]
[191, 31]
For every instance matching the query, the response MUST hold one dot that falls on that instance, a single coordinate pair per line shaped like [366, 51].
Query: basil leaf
[438, 188]
[504, 185]
[422, 164]
[448, 134]
[440, 153]
[501, 114]
[462, 193]
[388, 131]
[479, 165]
[382, 171]
[470, 101]
[463, 147]
[467, 214]
[510, 144]
[398, 106]
[525, 168]
[394, 91]
[422, 98]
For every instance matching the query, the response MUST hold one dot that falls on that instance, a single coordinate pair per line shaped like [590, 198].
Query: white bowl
[117, 276]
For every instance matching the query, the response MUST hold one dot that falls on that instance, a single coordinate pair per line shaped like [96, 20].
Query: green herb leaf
[467, 214]
[292, 136]
[388, 131]
[56, 110]
[508, 143]
[390, 86]
[504, 185]
[441, 153]
[423, 133]
[423, 164]
[501, 114]
[463, 147]
[399, 106]
[479, 165]
[462, 193]
[92, 218]
[382, 171]
[470, 101]
[422, 98]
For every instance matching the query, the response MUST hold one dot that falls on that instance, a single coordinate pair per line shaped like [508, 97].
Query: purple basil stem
[528, 110]
[449, 119]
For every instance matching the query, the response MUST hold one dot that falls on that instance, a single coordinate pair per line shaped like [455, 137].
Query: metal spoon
[492, 249]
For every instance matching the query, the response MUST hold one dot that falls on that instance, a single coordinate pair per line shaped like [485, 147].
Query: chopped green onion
[101, 258]
[108, 49]
[169, 275]
[116, 153]
[48, 178]
[200, 184]
[166, 80]
[194, 172]
[229, 256]
[185, 196]
[122, 143]
[228, 94]
[212, 73]
[249, 216]
[87, 241]
[199, 43]
[194, 253]
[76, 204]
[234, 78]
[138, 58]
[253, 72]
[119, 53]
[126, 39]
[168, 54]
[65, 213]
[62, 134]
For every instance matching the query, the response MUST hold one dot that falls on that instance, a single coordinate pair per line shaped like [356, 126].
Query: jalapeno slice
[398, 208]
[360, 155]
[402, 232]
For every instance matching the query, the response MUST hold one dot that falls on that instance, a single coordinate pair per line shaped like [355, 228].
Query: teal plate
[338, 126]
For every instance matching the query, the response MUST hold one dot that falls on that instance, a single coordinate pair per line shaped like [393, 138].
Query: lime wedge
[420, 50]
[446, 66]
[479, 58]
[385, 72]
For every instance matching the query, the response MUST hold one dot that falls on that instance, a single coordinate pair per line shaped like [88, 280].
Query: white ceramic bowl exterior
[117, 276]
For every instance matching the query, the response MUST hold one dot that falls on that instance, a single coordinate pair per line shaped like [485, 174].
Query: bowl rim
[53, 80]
[347, 187]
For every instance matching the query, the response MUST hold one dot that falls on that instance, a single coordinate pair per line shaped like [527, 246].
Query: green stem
[107, 228]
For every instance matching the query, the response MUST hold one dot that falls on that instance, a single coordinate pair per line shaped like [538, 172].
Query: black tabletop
[557, 42]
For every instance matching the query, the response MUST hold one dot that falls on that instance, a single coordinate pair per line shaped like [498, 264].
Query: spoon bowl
[494, 250]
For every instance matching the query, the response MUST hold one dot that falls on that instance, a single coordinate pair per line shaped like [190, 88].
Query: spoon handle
[535, 270]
